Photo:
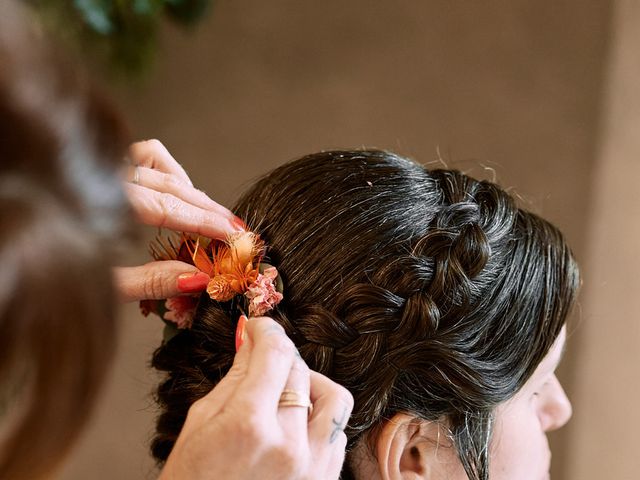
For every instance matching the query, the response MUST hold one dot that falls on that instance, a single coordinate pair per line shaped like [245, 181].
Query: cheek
[519, 447]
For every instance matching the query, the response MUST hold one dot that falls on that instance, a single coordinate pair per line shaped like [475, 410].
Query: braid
[364, 316]
[419, 291]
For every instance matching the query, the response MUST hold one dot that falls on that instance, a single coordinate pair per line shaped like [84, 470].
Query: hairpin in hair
[237, 270]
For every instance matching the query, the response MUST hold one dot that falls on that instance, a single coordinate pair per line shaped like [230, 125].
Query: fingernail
[193, 282]
[239, 224]
[240, 331]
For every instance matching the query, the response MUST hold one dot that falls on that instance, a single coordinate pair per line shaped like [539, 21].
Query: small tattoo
[274, 330]
[277, 330]
[338, 426]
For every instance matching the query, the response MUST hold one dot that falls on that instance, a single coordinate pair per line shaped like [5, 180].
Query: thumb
[157, 280]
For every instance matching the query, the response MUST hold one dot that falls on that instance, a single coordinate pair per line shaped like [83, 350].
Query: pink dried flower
[262, 293]
[180, 310]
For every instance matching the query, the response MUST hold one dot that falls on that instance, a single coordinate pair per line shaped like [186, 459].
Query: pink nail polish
[193, 282]
[240, 331]
[239, 224]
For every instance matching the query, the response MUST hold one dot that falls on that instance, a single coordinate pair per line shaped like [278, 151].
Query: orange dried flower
[234, 266]
[220, 288]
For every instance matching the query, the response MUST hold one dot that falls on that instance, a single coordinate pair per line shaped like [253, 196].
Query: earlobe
[406, 448]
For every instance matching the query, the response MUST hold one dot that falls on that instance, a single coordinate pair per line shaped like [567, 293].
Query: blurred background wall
[541, 93]
[603, 436]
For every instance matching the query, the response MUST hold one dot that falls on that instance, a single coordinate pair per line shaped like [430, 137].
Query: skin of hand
[238, 432]
[164, 196]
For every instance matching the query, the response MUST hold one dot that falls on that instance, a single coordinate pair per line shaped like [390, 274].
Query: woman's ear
[408, 448]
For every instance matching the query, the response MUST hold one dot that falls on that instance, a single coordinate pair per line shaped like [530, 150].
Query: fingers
[153, 154]
[168, 183]
[332, 407]
[272, 358]
[166, 210]
[293, 419]
[266, 364]
[249, 364]
[158, 280]
[162, 195]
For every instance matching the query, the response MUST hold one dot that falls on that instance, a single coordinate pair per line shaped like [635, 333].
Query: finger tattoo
[278, 330]
[274, 330]
[338, 426]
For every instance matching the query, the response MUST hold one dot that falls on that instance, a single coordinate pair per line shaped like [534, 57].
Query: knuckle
[154, 285]
[169, 202]
[269, 326]
[287, 458]
[345, 396]
[237, 371]
[169, 205]
[301, 367]
[252, 430]
[170, 183]
[280, 344]
[153, 144]
[211, 219]
[300, 374]
[198, 408]
[341, 443]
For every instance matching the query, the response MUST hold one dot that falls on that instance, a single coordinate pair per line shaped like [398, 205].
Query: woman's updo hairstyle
[421, 291]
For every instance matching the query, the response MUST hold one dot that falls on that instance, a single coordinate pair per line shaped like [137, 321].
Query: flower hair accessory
[237, 270]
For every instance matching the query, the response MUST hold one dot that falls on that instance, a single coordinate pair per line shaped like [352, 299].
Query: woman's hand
[238, 431]
[162, 195]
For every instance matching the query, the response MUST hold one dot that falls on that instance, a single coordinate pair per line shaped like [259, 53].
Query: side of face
[519, 447]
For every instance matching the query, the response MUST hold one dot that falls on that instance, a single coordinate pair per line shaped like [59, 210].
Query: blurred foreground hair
[61, 208]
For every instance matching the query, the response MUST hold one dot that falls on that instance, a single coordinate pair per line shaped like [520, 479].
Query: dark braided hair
[421, 291]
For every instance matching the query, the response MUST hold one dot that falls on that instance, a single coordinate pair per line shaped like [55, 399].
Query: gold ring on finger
[136, 175]
[294, 398]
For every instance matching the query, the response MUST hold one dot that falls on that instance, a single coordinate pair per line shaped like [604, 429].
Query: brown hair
[61, 207]
[421, 291]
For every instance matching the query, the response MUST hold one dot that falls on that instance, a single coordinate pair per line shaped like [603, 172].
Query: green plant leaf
[123, 34]
[97, 14]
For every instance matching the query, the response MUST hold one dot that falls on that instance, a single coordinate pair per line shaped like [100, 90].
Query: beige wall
[604, 434]
[514, 84]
